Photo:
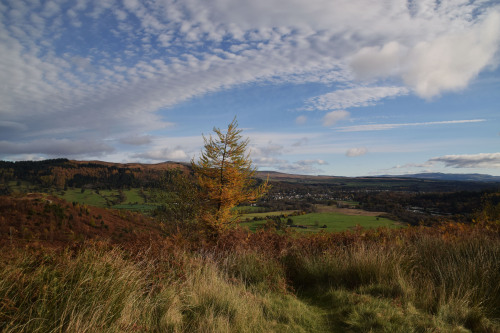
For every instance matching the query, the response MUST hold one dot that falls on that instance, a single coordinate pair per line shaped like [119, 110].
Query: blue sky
[336, 87]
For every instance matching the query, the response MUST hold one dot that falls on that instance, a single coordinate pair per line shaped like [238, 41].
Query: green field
[142, 208]
[249, 209]
[333, 222]
[133, 201]
[105, 198]
[264, 215]
[88, 197]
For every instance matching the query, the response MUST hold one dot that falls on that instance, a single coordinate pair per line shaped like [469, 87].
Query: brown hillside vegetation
[39, 219]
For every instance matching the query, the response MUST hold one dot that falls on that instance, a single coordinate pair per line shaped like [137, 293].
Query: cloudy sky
[337, 87]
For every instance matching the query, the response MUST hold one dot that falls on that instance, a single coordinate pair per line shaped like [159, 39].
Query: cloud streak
[55, 147]
[484, 160]
[384, 127]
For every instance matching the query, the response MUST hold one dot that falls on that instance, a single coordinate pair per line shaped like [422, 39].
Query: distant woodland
[413, 201]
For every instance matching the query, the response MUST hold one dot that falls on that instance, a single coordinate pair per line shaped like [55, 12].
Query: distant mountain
[469, 177]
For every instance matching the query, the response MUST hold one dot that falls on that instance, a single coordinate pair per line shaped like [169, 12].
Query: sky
[321, 87]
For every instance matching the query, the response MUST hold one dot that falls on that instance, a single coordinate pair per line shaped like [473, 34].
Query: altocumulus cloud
[354, 97]
[67, 83]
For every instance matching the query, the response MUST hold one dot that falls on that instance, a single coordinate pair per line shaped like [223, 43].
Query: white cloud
[383, 127]
[355, 97]
[438, 63]
[352, 152]
[484, 160]
[372, 61]
[63, 83]
[270, 149]
[312, 162]
[282, 165]
[301, 120]
[333, 117]
[448, 63]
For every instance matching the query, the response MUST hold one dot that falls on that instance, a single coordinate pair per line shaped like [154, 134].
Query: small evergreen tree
[224, 172]
[177, 197]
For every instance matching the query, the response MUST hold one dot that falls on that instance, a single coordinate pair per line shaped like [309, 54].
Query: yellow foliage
[224, 173]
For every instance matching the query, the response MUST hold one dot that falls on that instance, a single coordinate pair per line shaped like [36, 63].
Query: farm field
[133, 201]
[245, 217]
[339, 222]
[335, 219]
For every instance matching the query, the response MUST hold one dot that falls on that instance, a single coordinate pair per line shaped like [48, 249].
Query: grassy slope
[431, 282]
[133, 200]
[46, 220]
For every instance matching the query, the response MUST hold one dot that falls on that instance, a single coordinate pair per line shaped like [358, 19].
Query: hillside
[63, 173]
[40, 219]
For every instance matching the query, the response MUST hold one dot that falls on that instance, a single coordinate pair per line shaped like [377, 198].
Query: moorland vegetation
[191, 267]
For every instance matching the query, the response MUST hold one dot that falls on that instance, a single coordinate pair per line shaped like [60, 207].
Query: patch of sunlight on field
[133, 196]
[340, 222]
[330, 222]
[88, 197]
[244, 217]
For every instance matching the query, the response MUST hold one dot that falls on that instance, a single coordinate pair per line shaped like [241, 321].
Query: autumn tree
[224, 172]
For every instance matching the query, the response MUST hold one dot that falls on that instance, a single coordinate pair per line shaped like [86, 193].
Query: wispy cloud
[55, 147]
[383, 127]
[484, 160]
[464, 161]
[331, 118]
[297, 167]
[166, 154]
[301, 120]
[352, 152]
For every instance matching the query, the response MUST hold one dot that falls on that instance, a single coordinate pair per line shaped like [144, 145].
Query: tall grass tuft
[457, 280]
[102, 290]
[58, 293]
